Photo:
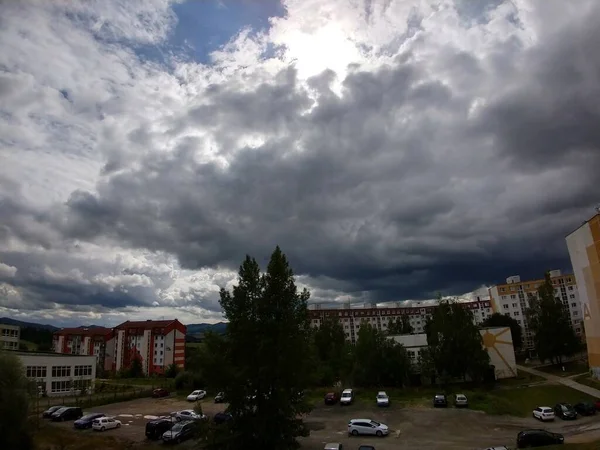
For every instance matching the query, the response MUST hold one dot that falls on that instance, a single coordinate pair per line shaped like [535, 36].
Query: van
[347, 397]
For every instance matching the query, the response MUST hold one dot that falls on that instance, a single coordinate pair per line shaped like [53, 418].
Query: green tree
[14, 404]
[267, 350]
[135, 369]
[172, 371]
[330, 346]
[400, 326]
[502, 320]
[454, 343]
[554, 337]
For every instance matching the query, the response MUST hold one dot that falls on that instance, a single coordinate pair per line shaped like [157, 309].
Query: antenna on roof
[597, 208]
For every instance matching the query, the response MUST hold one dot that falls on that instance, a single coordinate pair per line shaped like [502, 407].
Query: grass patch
[588, 380]
[149, 381]
[571, 368]
[521, 379]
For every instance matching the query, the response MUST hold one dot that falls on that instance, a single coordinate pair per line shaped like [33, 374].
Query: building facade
[380, 317]
[60, 374]
[9, 337]
[157, 343]
[512, 299]
[584, 251]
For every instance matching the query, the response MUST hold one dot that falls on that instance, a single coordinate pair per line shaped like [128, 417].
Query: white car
[382, 399]
[196, 395]
[105, 423]
[543, 413]
[367, 426]
[347, 397]
[187, 414]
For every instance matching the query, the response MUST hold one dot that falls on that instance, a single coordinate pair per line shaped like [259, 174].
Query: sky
[392, 149]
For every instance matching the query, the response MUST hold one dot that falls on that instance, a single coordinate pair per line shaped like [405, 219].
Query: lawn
[521, 379]
[587, 380]
[149, 381]
[571, 368]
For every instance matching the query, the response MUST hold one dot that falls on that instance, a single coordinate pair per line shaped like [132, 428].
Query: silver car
[367, 426]
[460, 400]
[187, 414]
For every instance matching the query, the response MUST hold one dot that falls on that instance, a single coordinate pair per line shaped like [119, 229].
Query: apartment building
[158, 344]
[512, 299]
[584, 251]
[380, 317]
[9, 337]
[91, 341]
[60, 374]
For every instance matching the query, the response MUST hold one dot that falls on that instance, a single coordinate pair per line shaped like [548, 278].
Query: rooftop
[597, 215]
[146, 324]
[55, 355]
[85, 331]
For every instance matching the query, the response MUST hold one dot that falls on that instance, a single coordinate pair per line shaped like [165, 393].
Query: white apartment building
[511, 299]
[9, 337]
[60, 374]
[380, 317]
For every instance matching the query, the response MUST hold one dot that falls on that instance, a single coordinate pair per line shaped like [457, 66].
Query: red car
[160, 392]
[331, 398]
[597, 404]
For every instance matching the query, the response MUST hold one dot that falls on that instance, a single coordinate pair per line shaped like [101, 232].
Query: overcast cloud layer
[393, 149]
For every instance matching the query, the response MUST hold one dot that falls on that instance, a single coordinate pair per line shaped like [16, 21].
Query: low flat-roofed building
[60, 374]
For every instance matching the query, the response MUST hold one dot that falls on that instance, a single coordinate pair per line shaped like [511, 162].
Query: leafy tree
[400, 326]
[14, 404]
[172, 371]
[135, 369]
[455, 344]
[554, 337]
[331, 353]
[502, 320]
[379, 361]
[266, 357]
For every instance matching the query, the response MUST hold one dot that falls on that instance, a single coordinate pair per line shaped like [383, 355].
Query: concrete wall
[499, 346]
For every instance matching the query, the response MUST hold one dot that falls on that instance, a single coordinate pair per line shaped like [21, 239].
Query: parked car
[538, 438]
[347, 397]
[156, 428]
[565, 411]
[382, 399]
[333, 446]
[48, 413]
[367, 426]
[160, 392]
[220, 397]
[105, 423]
[222, 417]
[187, 414]
[366, 447]
[503, 447]
[460, 401]
[543, 413]
[440, 400]
[180, 432]
[585, 408]
[67, 413]
[597, 404]
[331, 398]
[196, 395]
[86, 421]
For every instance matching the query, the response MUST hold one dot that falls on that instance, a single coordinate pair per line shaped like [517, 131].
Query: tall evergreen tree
[554, 337]
[267, 353]
[331, 352]
[454, 342]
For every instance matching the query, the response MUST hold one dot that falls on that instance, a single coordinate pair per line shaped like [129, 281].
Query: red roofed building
[84, 341]
[158, 343]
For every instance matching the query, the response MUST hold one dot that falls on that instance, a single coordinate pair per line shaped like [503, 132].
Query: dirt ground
[416, 427]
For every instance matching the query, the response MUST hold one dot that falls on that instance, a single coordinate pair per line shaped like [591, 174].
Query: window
[570, 288]
[575, 313]
[61, 371]
[504, 297]
[514, 305]
[572, 296]
[36, 371]
[516, 313]
[577, 330]
[512, 297]
[505, 306]
[573, 305]
[161, 352]
[61, 386]
[81, 371]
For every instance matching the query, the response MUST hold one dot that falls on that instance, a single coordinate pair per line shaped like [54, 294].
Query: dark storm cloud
[351, 191]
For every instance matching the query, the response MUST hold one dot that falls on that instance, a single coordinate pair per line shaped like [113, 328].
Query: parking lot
[422, 427]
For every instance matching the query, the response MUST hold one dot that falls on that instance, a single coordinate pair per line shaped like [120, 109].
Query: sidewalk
[564, 381]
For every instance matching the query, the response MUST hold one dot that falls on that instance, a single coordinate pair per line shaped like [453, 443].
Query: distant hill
[39, 326]
[198, 329]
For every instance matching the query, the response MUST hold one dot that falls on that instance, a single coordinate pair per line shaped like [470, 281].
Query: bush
[189, 381]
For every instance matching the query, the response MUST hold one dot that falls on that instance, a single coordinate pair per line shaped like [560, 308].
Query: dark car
[565, 411]
[180, 432]
[538, 438]
[585, 408]
[48, 413]
[160, 392]
[86, 421]
[156, 428]
[67, 413]
[331, 398]
[440, 400]
[366, 447]
[220, 397]
[222, 417]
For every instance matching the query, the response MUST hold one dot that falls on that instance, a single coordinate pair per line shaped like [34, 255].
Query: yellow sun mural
[499, 345]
